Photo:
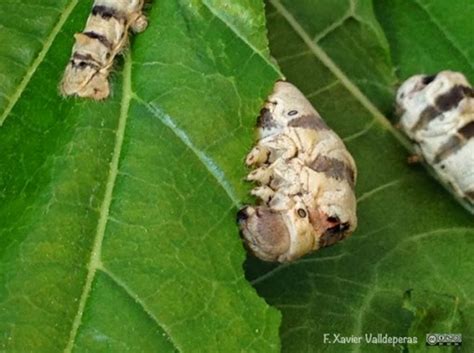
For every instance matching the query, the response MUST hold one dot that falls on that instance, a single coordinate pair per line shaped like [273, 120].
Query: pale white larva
[104, 36]
[437, 114]
[306, 181]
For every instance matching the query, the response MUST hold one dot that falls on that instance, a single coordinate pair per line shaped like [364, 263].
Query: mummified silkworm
[437, 114]
[105, 35]
[306, 181]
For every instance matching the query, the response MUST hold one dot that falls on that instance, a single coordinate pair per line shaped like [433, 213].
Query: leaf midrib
[95, 263]
[95, 259]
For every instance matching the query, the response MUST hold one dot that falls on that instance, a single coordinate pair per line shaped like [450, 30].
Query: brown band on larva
[84, 57]
[443, 103]
[451, 99]
[309, 122]
[456, 142]
[101, 38]
[427, 115]
[467, 131]
[451, 146]
[107, 13]
[333, 168]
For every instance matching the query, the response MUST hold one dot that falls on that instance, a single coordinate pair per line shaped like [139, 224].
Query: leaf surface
[27, 31]
[429, 35]
[117, 225]
[412, 238]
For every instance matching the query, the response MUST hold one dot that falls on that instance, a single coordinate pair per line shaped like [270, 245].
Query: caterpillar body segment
[105, 35]
[437, 114]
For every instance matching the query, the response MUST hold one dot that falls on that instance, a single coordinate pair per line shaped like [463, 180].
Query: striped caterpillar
[437, 114]
[306, 181]
[105, 35]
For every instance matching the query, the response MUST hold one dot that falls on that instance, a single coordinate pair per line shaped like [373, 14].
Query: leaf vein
[378, 189]
[126, 289]
[338, 73]
[39, 59]
[445, 33]
[208, 163]
[334, 26]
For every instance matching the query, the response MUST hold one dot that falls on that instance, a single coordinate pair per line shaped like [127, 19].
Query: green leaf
[117, 228]
[443, 37]
[441, 28]
[26, 42]
[433, 313]
[412, 236]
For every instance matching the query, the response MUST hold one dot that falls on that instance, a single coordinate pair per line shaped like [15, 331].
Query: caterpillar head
[422, 96]
[431, 86]
[265, 232]
[285, 107]
[289, 234]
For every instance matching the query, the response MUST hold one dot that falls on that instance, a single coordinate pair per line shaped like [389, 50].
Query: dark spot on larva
[101, 38]
[467, 131]
[265, 119]
[333, 168]
[242, 215]
[309, 122]
[334, 234]
[344, 226]
[301, 213]
[428, 79]
[331, 236]
[333, 219]
[451, 99]
[292, 112]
